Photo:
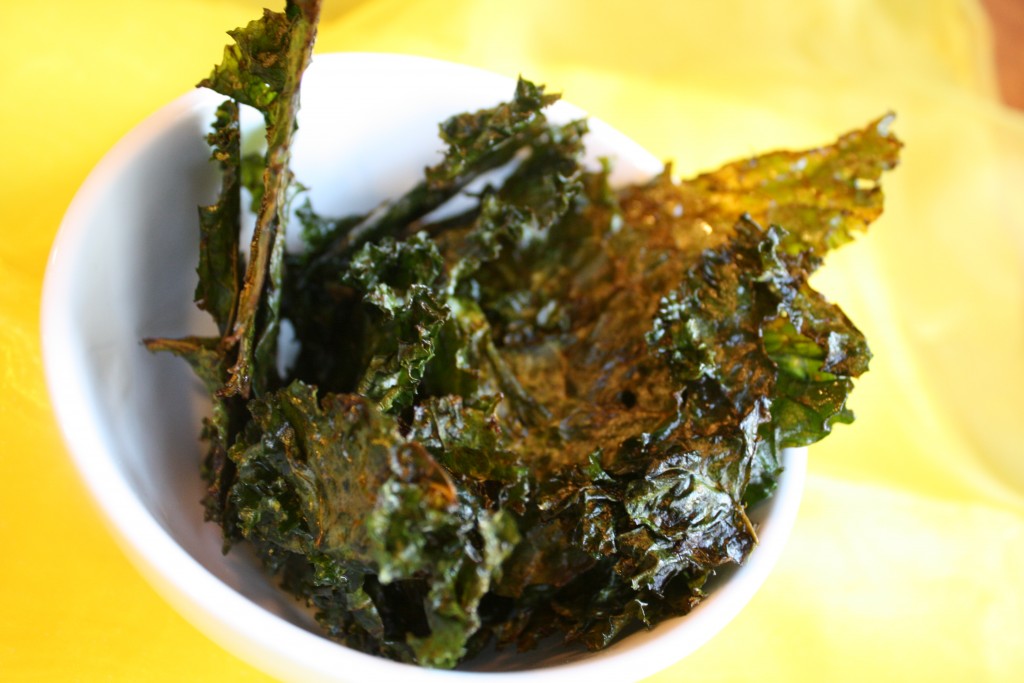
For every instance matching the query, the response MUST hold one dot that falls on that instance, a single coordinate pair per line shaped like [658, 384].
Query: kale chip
[547, 414]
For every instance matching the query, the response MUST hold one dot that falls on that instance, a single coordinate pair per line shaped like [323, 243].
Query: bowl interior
[123, 268]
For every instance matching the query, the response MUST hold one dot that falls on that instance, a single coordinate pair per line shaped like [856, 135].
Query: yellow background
[907, 560]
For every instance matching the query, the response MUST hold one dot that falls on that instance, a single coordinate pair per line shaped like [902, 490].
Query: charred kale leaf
[546, 414]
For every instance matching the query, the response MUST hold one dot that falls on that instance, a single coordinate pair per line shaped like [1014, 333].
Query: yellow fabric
[907, 560]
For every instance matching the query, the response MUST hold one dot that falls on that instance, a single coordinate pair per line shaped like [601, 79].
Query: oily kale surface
[547, 414]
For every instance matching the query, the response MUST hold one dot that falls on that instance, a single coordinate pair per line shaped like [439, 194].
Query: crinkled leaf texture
[546, 414]
[263, 69]
[332, 494]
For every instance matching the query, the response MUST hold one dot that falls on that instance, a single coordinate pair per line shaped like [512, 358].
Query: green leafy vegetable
[263, 69]
[547, 414]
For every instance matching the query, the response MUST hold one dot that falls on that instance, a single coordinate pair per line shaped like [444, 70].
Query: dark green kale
[547, 414]
[263, 69]
[329, 490]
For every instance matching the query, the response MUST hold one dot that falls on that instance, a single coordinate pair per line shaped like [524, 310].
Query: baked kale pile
[545, 414]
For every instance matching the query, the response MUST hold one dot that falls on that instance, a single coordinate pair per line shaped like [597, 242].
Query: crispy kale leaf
[331, 489]
[220, 263]
[404, 314]
[746, 321]
[547, 414]
[263, 69]
[823, 196]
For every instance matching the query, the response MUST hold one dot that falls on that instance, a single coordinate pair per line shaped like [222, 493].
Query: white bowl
[123, 268]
